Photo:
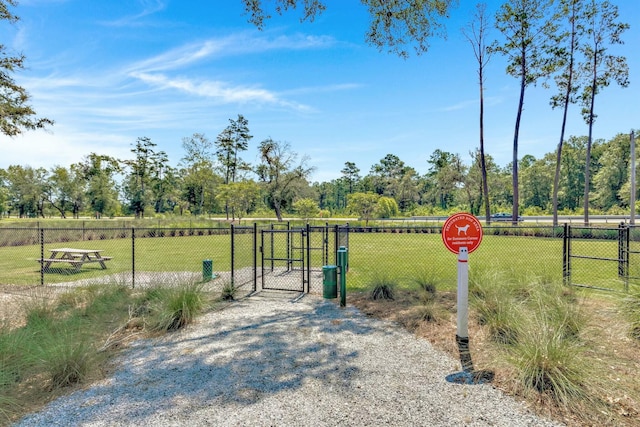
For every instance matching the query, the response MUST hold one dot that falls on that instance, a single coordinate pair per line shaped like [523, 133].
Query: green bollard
[342, 264]
[344, 248]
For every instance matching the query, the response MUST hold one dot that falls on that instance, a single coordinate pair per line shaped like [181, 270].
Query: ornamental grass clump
[548, 363]
[383, 286]
[496, 304]
[630, 308]
[229, 291]
[177, 306]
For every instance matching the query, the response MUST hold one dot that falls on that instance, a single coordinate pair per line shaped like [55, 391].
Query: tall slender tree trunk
[483, 163]
[587, 166]
[516, 193]
[567, 98]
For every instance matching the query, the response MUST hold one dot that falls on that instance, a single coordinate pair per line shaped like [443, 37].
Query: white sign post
[463, 293]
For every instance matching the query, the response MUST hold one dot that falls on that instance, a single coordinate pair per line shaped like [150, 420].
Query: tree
[306, 208]
[476, 35]
[143, 171]
[522, 22]
[230, 141]
[386, 207]
[603, 29]
[27, 190]
[65, 190]
[564, 46]
[363, 204]
[350, 174]
[446, 174]
[98, 172]
[198, 170]
[394, 25]
[278, 172]
[239, 196]
[16, 115]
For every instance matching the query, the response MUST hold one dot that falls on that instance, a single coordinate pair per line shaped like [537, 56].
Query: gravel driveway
[274, 360]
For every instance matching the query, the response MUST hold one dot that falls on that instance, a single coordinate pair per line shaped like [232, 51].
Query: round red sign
[462, 230]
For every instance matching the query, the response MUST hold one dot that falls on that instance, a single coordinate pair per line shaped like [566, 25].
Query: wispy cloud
[149, 7]
[237, 44]
[221, 91]
[488, 101]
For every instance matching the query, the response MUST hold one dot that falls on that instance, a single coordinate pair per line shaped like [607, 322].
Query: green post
[344, 248]
[342, 264]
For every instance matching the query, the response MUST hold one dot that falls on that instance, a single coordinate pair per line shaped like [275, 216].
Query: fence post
[621, 249]
[133, 258]
[255, 257]
[42, 257]
[233, 241]
[566, 269]
[308, 249]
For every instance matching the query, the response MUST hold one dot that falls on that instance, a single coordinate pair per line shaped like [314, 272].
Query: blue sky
[109, 72]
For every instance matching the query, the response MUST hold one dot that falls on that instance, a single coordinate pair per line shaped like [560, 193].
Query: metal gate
[608, 249]
[292, 258]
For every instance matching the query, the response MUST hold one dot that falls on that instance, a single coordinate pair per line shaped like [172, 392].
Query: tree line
[212, 178]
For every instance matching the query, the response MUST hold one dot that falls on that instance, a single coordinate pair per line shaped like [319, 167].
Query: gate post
[566, 254]
[41, 256]
[255, 257]
[623, 254]
[233, 271]
[308, 256]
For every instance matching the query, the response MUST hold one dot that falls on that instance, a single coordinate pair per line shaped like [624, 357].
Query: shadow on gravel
[237, 356]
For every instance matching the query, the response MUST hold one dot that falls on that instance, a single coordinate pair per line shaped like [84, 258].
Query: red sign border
[456, 217]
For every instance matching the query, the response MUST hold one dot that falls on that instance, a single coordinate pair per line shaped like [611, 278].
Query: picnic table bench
[74, 257]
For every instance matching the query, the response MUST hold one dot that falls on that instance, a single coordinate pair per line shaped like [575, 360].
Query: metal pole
[233, 272]
[42, 257]
[133, 258]
[463, 294]
[632, 202]
[308, 258]
[565, 255]
[255, 256]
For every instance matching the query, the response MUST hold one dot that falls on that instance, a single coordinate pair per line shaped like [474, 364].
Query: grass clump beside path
[65, 341]
[572, 353]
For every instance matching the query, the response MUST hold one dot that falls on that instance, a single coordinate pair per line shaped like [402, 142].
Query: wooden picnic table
[75, 257]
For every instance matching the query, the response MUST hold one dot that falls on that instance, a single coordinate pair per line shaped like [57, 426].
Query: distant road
[545, 219]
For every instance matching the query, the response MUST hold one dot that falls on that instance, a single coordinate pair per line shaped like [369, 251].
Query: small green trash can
[207, 270]
[330, 281]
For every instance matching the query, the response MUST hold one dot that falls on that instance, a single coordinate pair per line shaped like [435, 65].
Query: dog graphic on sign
[462, 229]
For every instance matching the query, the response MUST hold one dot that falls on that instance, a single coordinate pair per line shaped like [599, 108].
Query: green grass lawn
[18, 264]
[403, 256]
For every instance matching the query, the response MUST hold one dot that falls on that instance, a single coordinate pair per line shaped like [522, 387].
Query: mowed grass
[402, 255]
[19, 265]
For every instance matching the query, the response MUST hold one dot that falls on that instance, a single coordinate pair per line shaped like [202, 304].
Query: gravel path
[271, 360]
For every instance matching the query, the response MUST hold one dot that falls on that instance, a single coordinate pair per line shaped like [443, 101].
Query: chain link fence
[281, 256]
